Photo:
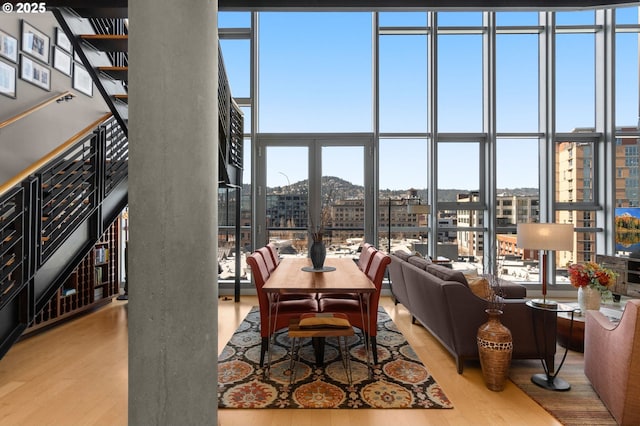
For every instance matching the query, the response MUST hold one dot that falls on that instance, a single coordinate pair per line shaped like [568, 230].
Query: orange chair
[286, 309]
[612, 361]
[353, 310]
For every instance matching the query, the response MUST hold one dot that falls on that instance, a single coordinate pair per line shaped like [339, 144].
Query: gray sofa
[441, 300]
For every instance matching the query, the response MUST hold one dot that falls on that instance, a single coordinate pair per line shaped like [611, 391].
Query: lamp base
[544, 303]
[550, 383]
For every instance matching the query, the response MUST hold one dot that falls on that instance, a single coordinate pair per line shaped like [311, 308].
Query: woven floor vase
[495, 346]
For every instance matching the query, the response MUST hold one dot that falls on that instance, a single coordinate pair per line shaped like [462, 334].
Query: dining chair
[353, 308]
[366, 256]
[364, 263]
[274, 253]
[265, 252]
[268, 259]
[286, 309]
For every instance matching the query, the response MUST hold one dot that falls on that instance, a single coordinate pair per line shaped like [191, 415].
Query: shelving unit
[93, 283]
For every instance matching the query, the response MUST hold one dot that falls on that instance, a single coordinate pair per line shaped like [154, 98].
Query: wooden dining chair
[353, 309]
[286, 309]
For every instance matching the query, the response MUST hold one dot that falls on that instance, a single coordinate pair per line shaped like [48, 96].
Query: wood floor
[76, 374]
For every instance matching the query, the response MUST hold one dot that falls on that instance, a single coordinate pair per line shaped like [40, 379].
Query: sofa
[442, 300]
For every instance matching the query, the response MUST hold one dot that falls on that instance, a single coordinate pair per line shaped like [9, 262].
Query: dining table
[338, 275]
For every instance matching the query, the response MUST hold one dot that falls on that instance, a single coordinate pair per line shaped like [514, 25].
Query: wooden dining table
[339, 275]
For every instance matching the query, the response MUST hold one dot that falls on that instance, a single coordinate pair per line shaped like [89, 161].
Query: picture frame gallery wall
[34, 55]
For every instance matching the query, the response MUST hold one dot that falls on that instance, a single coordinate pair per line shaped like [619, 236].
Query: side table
[549, 379]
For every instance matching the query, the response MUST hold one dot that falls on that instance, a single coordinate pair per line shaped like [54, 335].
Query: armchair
[612, 361]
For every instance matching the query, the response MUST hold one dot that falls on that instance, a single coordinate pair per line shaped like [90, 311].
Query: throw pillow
[480, 287]
[469, 273]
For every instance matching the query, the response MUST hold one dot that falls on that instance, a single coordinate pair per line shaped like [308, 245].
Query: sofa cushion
[446, 274]
[404, 255]
[420, 262]
[480, 287]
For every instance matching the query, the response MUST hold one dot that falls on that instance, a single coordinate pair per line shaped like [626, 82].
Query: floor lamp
[545, 237]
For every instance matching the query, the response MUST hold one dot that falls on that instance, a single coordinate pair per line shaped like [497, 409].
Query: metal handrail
[63, 96]
[51, 155]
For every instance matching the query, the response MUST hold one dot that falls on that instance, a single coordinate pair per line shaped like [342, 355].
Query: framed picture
[82, 80]
[8, 47]
[35, 73]
[35, 42]
[61, 61]
[7, 80]
[62, 41]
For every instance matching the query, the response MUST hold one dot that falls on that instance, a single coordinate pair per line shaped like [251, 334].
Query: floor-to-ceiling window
[490, 118]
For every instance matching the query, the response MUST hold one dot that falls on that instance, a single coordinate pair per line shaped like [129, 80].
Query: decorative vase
[317, 253]
[495, 346]
[588, 298]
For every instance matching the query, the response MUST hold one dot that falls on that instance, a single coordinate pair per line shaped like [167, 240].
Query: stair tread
[104, 36]
[117, 73]
[107, 42]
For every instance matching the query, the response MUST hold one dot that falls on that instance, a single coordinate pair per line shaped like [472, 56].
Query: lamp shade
[418, 208]
[545, 236]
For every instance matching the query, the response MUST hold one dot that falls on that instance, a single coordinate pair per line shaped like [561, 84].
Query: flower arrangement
[592, 275]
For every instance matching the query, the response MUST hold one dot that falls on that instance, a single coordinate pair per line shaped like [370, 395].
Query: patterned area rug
[399, 380]
[578, 406]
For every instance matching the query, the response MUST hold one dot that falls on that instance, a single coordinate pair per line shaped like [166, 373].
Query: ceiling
[373, 4]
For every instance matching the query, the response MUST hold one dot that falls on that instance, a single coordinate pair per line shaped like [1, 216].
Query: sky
[316, 76]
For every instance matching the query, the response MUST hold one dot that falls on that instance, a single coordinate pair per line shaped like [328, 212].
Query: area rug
[580, 405]
[399, 380]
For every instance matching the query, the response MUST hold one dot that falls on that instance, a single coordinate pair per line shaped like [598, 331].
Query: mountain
[340, 189]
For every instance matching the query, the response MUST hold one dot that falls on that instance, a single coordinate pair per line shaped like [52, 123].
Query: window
[436, 128]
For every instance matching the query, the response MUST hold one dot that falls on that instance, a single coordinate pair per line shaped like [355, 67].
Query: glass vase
[588, 298]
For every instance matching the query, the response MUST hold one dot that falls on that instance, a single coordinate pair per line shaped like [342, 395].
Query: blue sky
[315, 76]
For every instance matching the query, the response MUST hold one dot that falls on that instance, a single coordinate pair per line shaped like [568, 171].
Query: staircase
[51, 219]
[99, 37]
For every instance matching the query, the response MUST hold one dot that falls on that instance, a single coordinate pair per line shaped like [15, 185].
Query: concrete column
[173, 175]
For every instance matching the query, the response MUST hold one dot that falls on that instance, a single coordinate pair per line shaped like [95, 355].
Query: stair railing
[33, 168]
[42, 206]
[61, 97]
